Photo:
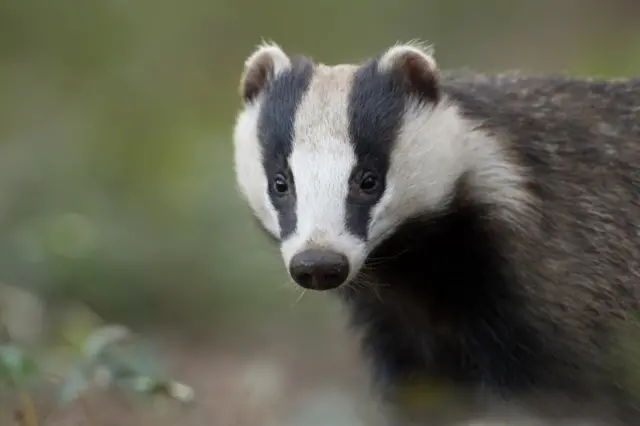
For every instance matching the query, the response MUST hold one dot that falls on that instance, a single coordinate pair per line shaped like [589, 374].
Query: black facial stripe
[376, 108]
[275, 132]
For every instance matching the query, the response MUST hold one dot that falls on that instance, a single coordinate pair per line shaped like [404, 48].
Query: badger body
[483, 230]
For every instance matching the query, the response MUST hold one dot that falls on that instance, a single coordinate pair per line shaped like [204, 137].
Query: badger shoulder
[578, 142]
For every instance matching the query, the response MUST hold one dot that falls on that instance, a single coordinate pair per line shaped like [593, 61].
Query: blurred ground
[274, 375]
[116, 186]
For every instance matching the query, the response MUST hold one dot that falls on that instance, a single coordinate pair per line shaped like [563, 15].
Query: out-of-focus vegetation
[116, 182]
[87, 354]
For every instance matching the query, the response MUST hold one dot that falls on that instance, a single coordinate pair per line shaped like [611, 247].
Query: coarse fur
[500, 250]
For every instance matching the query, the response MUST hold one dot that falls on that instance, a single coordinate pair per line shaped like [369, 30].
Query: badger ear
[415, 66]
[260, 68]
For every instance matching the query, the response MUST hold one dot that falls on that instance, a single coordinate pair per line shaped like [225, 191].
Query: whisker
[287, 285]
[378, 260]
[364, 282]
[299, 298]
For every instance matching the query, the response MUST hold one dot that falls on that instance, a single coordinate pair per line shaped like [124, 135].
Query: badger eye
[369, 182]
[280, 185]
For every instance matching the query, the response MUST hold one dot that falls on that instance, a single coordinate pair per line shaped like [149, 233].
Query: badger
[482, 230]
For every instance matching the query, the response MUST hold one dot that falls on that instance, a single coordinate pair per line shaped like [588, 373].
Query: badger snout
[319, 269]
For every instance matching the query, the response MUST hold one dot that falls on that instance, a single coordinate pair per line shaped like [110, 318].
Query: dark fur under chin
[439, 302]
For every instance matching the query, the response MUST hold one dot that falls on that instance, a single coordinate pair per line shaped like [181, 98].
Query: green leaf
[15, 365]
[11, 356]
[78, 323]
[5, 375]
[102, 337]
[131, 360]
[160, 387]
[181, 392]
[73, 387]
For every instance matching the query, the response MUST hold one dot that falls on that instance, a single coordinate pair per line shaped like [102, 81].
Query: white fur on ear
[262, 66]
[416, 66]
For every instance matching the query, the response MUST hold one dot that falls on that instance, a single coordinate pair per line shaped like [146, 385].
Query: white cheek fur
[434, 148]
[431, 152]
[427, 159]
[250, 176]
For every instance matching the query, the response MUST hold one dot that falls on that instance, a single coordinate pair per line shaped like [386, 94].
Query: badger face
[332, 159]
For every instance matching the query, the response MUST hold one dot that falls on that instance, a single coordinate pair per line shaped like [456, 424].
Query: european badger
[483, 230]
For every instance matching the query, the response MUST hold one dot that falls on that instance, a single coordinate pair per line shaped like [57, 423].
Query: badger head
[333, 159]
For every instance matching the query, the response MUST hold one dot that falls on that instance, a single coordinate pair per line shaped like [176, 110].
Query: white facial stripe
[424, 165]
[433, 149]
[250, 175]
[321, 161]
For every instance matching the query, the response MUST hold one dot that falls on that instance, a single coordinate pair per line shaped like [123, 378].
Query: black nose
[319, 269]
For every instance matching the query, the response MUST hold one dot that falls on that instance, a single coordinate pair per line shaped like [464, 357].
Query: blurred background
[118, 200]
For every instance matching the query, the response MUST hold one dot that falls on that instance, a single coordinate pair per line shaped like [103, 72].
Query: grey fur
[529, 297]
[578, 262]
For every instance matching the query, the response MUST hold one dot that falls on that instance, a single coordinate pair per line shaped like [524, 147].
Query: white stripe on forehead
[322, 159]
[323, 109]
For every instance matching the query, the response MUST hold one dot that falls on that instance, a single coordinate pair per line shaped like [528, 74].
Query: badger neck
[439, 297]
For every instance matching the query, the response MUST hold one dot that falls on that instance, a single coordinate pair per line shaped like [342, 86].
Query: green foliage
[89, 355]
[16, 367]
